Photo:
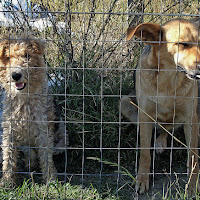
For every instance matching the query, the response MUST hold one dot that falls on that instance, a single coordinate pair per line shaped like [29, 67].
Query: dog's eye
[27, 56]
[184, 44]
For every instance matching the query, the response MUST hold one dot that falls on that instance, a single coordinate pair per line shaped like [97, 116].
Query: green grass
[51, 190]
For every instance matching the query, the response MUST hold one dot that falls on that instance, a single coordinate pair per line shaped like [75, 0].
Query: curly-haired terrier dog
[28, 110]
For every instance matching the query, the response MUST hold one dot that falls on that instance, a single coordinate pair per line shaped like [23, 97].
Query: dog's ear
[38, 46]
[196, 21]
[3, 59]
[146, 31]
[3, 46]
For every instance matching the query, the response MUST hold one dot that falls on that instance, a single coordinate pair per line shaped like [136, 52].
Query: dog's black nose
[16, 76]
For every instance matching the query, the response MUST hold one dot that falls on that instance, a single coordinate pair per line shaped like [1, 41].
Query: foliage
[51, 190]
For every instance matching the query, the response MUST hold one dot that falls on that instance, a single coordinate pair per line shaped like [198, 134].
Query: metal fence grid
[90, 69]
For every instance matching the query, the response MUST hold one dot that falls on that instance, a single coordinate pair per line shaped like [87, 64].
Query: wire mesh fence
[90, 67]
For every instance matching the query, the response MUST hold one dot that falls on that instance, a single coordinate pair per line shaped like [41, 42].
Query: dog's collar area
[181, 69]
[20, 86]
[192, 76]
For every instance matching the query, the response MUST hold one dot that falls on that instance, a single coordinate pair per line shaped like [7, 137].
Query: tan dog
[166, 88]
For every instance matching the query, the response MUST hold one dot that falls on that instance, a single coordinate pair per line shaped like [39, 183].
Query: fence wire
[90, 68]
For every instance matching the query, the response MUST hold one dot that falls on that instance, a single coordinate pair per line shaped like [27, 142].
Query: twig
[33, 182]
[194, 164]
[172, 184]
[47, 183]
[105, 24]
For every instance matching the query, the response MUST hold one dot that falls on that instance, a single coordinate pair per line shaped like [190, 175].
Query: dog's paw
[4, 182]
[49, 177]
[161, 143]
[142, 183]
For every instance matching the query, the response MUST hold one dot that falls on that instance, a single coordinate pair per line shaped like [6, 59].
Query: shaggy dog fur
[28, 111]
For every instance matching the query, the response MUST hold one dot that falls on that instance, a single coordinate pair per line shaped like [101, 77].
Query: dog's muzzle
[20, 86]
[16, 77]
[191, 74]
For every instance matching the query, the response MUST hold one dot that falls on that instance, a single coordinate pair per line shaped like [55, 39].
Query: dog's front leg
[46, 158]
[10, 156]
[145, 157]
[191, 136]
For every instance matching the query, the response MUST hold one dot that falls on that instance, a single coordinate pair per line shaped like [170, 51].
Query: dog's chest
[165, 114]
[171, 110]
[27, 120]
